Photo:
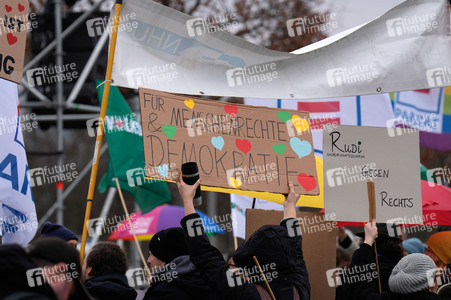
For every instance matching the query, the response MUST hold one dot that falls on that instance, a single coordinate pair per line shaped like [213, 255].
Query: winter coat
[111, 286]
[279, 254]
[178, 280]
[368, 290]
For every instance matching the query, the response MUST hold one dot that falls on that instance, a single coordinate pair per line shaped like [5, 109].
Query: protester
[14, 283]
[277, 248]
[60, 267]
[445, 292]
[409, 279]
[439, 248]
[56, 230]
[104, 271]
[173, 274]
[346, 239]
[343, 260]
[389, 250]
[413, 245]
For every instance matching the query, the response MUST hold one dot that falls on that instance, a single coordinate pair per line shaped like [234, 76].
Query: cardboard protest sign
[235, 146]
[318, 246]
[13, 35]
[389, 157]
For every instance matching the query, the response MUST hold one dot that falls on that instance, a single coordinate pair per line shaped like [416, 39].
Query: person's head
[413, 245]
[343, 258]
[56, 230]
[390, 247]
[165, 246]
[412, 274]
[439, 248]
[273, 247]
[445, 292]
[60, 266]
[103, 259]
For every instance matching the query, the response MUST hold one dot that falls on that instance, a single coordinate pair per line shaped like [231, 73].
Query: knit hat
[413, 245]
[168, 244]
[440, 244]
[410, 274]
[50, 229]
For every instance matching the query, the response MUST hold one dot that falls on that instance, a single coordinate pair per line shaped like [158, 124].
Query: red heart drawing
[21, 7]
[8, 8]
[11, 38]
[231, 110]
[244, 145]
[307, 182]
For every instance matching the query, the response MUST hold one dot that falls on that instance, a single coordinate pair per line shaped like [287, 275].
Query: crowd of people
[184, 265]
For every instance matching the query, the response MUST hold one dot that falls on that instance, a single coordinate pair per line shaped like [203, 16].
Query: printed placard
[354, 154]
[235, 146]
[13, 35]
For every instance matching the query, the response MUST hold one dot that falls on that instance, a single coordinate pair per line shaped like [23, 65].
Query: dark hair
[343, 258]
[106, 258]
[390, 248]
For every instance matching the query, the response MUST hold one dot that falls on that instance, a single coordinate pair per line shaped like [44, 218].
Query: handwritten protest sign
[353, 154]
[235, 146]
[13, 35]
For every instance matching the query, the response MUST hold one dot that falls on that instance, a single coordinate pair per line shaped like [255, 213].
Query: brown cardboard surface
[13, 35]
[318, 245]
[235, 146]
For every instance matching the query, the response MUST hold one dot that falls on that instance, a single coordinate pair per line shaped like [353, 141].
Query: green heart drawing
[280, 148]
[284, 116]
[169, 131]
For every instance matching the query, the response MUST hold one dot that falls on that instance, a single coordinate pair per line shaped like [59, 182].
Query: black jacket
[270, 244]
[14, 264]
[179, 280]
[364, 290]
[111, 286]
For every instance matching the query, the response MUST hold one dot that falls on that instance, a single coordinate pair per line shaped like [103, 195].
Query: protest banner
[318, 245]
[13, 35]
[235, 146]
[389, 157]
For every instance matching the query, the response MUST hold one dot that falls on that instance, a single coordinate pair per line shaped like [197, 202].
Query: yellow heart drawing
[300, 124]
[235, 183]
[189, 103]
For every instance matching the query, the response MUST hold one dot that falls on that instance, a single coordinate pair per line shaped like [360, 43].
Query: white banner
[407, 48]
[18, 220]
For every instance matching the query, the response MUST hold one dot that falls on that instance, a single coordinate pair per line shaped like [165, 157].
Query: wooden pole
[264, 278]
[95, 161]
[132, 230]
[372, 214]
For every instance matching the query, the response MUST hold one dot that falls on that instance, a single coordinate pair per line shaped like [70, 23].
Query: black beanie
[168, 244]
[50, 229]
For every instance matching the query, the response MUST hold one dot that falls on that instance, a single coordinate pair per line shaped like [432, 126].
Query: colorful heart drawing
[235, 183]
[231, 109]
[217, 142]
[300, 124]
[11, 38]
[244, 145]
[20, 7]
[189, 103]
[301, 148]
[283, 116]
[308, 182]
[163, 170]
[169, 131]
[280, 148]
[8, 8]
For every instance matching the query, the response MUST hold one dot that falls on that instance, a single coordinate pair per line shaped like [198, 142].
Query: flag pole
[95, 161]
